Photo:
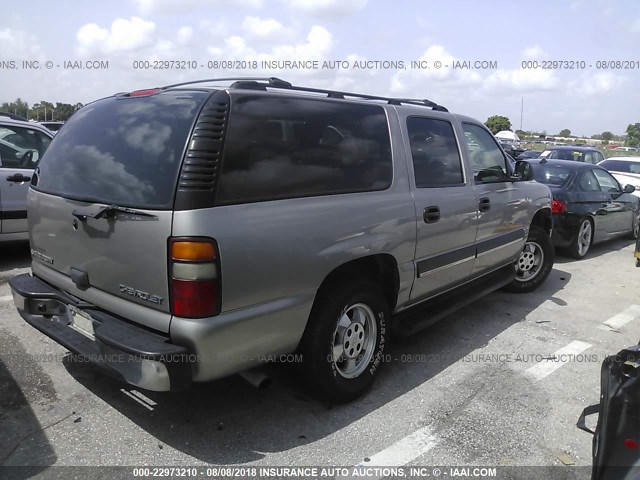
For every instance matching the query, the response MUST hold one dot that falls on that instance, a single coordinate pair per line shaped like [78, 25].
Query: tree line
[498, 123]
[41, 111]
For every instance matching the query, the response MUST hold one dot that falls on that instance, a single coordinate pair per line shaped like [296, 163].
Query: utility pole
[521, 112]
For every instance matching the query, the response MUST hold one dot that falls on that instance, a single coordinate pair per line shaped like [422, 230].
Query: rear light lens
[630, 443]
[558, 206]
[194, 273]
[144, 93]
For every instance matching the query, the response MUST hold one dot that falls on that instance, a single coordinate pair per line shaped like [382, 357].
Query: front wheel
[343, 345]
[534, 263]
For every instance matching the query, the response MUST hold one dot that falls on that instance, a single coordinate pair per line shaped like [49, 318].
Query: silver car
[22, 145]
[191, 232]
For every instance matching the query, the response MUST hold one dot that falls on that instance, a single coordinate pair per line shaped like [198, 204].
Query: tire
[584, 238]
[535, 262]
[352, 319]
[635, 229]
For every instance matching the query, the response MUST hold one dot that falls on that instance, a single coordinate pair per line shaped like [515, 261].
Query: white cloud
[261, 27]
[149, 7]
[184, 35]
[534, 53]
[635, 26]
[521, 80]
[326, 7]
[597, 84]
[19, 43]
[124, 35]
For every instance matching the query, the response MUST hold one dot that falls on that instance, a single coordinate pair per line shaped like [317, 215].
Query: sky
[488, 41]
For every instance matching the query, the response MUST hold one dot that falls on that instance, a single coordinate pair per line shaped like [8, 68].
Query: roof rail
[274, 82]
[13, 116]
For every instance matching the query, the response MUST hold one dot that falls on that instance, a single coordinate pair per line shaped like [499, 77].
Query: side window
[600, 157]
[279, 147]
[436, 159]
[606, 181]
[588, 182]
[488, 162]
[591, 157]
[21, 147]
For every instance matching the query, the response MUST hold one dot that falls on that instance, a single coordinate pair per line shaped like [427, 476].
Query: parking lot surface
[501, 382]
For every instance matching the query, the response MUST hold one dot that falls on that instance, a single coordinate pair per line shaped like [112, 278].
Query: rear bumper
[132, 354]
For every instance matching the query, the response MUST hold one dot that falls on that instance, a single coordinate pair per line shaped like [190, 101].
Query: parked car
[589, 205]
[511, 148]
[626, 149]
[301, 223]
[577, 154]
[625, 169]
[53, 126]
[529, 154]
[22, 145]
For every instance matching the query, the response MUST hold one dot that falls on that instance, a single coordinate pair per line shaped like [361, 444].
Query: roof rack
[13, 116]
[252, 83]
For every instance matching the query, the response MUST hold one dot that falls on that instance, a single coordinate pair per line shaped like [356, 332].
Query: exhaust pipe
[256, 378]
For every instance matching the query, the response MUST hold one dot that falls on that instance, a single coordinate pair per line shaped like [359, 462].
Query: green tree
[564, 133]
[608, 136]
[633, 135]
[497, 123]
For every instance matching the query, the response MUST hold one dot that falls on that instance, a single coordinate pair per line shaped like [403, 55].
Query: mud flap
[616, 439]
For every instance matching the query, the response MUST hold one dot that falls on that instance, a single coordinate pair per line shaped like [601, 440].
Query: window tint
[606, 181]
[436, 160]
[621, 166]
[551, 175]
[124, 150]
[294, 147]
[487, 160]
[21, 147]
[588, 182]
[566, 155]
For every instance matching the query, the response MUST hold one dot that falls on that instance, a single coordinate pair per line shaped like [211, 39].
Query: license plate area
[81, 322]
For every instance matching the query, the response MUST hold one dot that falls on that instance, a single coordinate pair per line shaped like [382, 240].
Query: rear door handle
[18, 177]
[485, 204]
[431, 214]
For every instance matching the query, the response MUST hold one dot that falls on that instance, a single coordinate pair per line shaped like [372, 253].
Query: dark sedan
[589, 205]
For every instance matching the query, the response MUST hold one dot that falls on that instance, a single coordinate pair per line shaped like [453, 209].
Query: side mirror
[629, 189]
[523, 171]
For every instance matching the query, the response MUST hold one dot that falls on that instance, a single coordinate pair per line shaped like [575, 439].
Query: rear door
[445, 205]
[125, 151]
[589, 200]
[20, 151]
[501, 223]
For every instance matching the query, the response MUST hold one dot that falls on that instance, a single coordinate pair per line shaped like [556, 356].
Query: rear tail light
[558, 206]
[194, 273]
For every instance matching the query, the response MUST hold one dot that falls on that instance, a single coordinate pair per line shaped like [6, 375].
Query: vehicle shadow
[597, 250]
[230, 422]
[19, 427]
[13, 256]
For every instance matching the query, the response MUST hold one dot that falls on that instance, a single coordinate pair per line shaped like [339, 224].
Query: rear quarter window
[281, 147]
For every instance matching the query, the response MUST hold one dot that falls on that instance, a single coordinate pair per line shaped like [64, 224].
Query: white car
[625, 169]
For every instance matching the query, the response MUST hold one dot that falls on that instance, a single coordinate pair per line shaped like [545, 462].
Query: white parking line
[403, 451]
[6, 298]
[621, 319]
[556, 360]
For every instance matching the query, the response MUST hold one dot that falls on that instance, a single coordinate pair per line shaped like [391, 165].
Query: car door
[589, 200]
[620, 206]
[20, 151]
[445, 206]
[501, 230]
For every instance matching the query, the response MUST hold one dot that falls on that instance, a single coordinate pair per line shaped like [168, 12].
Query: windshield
[566, 155]
[122, 150]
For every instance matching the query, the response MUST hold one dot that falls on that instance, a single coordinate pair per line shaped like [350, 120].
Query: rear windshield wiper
[108, 211]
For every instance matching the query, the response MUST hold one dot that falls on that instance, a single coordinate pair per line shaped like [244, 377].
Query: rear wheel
[343, 345]
[535, 262]
[635, 229]
[581, 244]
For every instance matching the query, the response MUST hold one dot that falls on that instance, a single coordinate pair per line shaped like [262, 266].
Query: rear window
[621, 166]
[278, 147]
[551, 175]
[126, 151]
